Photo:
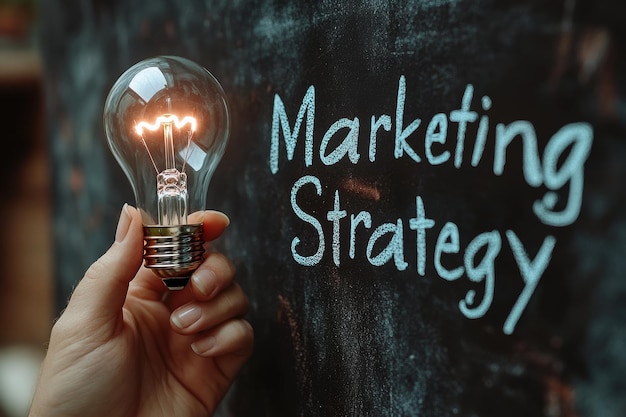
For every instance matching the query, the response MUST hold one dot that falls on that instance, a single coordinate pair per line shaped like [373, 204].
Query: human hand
[126, 346]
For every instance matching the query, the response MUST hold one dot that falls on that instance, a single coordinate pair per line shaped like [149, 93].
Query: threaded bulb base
[173, 252]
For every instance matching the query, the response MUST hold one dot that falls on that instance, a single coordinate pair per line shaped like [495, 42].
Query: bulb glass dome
[167, 124]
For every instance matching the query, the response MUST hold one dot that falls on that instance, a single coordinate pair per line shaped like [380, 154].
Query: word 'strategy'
[560, 169]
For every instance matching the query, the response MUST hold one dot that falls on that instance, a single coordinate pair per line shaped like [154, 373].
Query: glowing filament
[167, 119]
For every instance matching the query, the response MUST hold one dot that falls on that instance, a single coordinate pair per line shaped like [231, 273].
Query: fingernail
[203, 346]
[123, 224]
[225, 217]
[204, 280]
[186, 316]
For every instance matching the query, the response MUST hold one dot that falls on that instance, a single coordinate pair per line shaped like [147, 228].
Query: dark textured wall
[344, 336]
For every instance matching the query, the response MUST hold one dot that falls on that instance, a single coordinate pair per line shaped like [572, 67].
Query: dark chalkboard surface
[426, 198]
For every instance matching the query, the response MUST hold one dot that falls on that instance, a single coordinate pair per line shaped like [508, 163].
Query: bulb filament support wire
[167, 121]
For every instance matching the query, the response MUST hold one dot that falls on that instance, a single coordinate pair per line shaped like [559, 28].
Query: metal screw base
[173, 252]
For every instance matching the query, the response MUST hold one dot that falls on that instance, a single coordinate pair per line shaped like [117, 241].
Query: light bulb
[167, 124]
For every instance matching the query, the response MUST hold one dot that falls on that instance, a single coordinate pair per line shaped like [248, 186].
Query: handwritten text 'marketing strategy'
[559, 168]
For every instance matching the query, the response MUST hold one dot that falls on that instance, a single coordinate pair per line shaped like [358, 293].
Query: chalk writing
[559, 169]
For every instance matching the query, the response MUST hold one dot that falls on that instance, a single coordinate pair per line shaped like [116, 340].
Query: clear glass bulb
[167, 124]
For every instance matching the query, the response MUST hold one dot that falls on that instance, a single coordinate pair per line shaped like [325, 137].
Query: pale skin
[126, 346]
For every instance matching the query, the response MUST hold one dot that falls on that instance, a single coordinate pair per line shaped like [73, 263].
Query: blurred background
[26, 290]
[251, 54]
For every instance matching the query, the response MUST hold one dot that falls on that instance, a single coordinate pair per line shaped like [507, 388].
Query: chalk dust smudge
[286, 313]
[361, 188]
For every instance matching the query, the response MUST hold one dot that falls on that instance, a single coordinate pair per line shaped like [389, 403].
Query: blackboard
[426, 198]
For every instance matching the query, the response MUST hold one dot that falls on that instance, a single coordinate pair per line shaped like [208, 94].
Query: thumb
[100, 295]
